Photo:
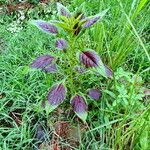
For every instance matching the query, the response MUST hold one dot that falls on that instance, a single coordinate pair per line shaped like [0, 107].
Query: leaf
[40, 134]
[92, 60]
[63, 11]
[62, 25]
[93, 19]
[61, 44]
[109, 72]
[42, 61]
[94, 94]
[45, 26]
[89, 59]
[51, 68]
[79, 16]
[101, 70]
[56, 95]
[79, 107]
[104, 70]
[65, 19]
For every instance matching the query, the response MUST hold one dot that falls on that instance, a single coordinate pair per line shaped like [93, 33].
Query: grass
[120, 120]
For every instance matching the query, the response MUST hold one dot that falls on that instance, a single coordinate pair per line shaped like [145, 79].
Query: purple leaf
[51, 68]
[40, 135]
[61, 44]
[45, 26]
[42, 61]
[94, 94]
[109, 72]
[93, 19]
[89, 59]
[63, 11]
[92, 59]
[79, 106]
[56, 95]
[90, 22]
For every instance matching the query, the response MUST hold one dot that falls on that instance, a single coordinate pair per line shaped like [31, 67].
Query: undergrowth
[119, 120]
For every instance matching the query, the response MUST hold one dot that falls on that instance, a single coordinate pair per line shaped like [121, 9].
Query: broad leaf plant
[76, 61]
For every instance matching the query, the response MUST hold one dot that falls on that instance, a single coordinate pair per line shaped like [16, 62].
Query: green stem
[71, 60]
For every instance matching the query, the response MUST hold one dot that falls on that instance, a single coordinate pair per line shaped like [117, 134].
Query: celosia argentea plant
[74, 60]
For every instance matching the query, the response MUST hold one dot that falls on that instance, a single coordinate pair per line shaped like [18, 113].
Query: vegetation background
[120, 120]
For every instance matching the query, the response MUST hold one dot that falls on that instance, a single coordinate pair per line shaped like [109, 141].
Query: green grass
[120, 120]
[22, 89]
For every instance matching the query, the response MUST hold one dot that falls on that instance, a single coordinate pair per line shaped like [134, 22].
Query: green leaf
[65, 19]
[62, 25]
[82, 116]
[49, 108]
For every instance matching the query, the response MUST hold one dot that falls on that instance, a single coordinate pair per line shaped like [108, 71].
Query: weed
[118, 120]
